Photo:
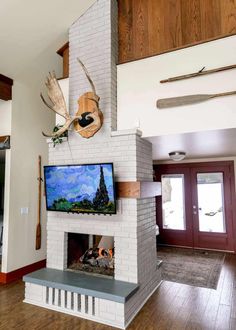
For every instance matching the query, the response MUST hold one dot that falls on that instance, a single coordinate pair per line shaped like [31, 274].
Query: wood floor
[172, 307]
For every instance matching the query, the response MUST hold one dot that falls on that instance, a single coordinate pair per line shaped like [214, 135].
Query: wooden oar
[188, 99]
[38, 228]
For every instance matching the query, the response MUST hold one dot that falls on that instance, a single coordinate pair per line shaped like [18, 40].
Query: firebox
[91, 253]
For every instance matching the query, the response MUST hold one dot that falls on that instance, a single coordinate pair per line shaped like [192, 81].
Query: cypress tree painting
[101, 198]
[80, 188]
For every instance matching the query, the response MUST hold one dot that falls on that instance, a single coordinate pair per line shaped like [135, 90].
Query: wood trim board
[64, 52]
[5, 88]
[19, 273]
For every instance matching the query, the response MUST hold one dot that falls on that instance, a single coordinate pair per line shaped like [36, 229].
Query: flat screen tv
[85, 188]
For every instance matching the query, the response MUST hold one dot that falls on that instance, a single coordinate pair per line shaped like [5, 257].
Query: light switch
[24, 210]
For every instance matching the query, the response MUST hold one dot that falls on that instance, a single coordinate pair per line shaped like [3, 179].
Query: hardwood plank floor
[173, 306]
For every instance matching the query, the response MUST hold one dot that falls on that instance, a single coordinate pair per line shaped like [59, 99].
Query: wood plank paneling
[140, 32]
[152, 27]
[190, 21]
[210, 19]
[172, 24]
[228, 16]
[155, 26]
[126, 26]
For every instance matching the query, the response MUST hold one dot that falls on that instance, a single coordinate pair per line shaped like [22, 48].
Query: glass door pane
[173, 210]
[211, 213]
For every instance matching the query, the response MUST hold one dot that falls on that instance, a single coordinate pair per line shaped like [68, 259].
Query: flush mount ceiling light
[177, 155]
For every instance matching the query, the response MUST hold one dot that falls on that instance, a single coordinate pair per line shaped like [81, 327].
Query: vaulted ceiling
[29, 28]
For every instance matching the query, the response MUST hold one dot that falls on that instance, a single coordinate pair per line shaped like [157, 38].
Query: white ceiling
[204, 144]
[29, 28]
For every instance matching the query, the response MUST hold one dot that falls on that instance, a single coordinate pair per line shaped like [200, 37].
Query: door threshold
[180, 246]
[196, 248]
[216, 250]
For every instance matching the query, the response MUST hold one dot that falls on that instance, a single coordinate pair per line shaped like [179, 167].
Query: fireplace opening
[91, 253]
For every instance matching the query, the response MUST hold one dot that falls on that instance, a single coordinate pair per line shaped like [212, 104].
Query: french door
[196, 208]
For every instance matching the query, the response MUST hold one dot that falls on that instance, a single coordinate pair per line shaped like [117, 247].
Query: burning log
[98, 257]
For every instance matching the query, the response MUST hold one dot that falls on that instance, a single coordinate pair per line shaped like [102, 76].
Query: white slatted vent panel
[70, 300]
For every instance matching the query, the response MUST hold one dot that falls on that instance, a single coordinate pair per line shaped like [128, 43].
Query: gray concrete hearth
[88, 285]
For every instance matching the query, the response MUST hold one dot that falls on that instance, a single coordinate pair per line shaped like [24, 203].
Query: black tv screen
[85, 188]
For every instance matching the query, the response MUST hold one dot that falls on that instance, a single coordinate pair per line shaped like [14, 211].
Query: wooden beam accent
[5, 88]
[64, 52]
[63, 48]
[128, 189]
[138, 189]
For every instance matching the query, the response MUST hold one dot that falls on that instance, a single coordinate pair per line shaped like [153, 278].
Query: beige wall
[29, 118]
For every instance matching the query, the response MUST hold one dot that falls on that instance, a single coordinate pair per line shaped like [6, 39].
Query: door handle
[194, 209]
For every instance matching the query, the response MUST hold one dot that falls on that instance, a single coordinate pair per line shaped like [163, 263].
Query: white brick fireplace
[93, 38]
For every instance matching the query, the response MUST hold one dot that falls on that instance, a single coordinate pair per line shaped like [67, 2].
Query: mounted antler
[58, 104]
[88, 119]
[90, 116]
[87, 75]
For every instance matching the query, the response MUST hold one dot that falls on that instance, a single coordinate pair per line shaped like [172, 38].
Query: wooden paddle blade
[182, 100]
[38, 228]
[38, 237]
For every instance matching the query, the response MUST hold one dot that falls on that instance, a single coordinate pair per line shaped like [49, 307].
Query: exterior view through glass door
[210, 200]
[196, 206]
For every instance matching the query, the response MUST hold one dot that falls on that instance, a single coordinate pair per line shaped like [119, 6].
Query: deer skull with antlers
[88, 119]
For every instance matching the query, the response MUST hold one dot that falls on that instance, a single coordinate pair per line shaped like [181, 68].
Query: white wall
[5, 118]
[139, 88]
[29, 118]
